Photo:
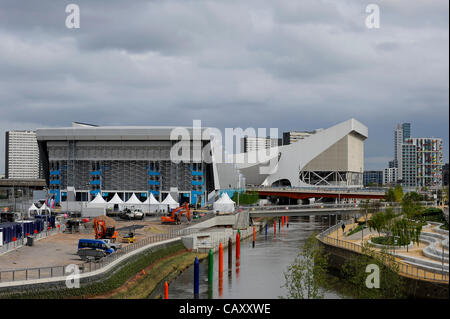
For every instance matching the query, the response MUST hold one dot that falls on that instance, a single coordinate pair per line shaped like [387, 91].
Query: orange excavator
[175, 215]
[102, 231]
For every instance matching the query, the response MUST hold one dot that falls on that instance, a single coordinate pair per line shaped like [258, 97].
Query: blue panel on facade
[197, 173]
[153, 173]
[55, 182]
[96, 173]
[154, 192]
[105, 194]
[94, 192]
[153, 182]
[57, 172]
[96, 182]
[197, 182]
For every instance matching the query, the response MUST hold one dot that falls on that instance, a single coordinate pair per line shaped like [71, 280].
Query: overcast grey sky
[290, 64]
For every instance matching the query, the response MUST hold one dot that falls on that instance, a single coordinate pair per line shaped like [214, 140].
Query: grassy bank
[142, 285]
[118, 277]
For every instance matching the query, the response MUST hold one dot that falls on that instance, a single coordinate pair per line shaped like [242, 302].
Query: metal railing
[404, 269]
[86, 267]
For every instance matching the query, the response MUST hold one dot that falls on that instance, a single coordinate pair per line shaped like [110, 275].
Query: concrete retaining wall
[413, 287]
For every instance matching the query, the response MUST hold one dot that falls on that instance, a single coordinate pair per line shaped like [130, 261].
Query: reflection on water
[259, 272]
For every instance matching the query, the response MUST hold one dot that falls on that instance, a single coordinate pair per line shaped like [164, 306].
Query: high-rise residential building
[21, 155]
[390, 176]
[249, 144]
[422, 162]
[409, 165]
[445, 175]
[294, 136]
[372, 178]
[401, 133]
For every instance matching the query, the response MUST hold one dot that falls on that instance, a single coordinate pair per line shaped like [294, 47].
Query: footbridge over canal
[316, 210]
[317, 192]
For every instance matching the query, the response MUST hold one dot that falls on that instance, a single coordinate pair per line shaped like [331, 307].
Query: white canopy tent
[33, 210]
[224, 204]
[115, 200]
[95, 207]
[170, 202]
[151, 204]
[44, 209]
[133, 201]
[98, 201]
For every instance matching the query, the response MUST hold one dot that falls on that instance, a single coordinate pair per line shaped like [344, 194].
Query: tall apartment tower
[422, 162]
[294, 136]
[258, 143]
[401, 133]
[21, 155]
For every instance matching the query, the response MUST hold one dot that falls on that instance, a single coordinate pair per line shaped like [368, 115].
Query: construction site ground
[61, 249]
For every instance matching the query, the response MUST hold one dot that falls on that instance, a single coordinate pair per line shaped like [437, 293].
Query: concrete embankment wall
[413, 287]
[100, 275]
[221, 229]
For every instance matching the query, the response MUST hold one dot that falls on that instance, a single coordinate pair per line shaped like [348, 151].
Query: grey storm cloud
[294, 65]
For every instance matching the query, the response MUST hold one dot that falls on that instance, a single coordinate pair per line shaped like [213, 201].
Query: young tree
[377, 222]
[305, 277]
[407, 231]
[398, 193]
[389, 196]
[391, 283]
[411, 206]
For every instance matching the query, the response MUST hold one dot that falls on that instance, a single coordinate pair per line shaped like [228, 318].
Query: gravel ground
[61, 249]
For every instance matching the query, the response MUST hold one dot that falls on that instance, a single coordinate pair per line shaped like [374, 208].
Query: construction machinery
[104, 231]
[174, 217]
[129, 238]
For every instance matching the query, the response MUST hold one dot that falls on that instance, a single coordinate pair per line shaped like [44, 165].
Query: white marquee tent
[169, 201]
[151, 204]
[133, 202]
[224, 204]
[115, 200]
[33, 209]
[98, 201]
[44, 209]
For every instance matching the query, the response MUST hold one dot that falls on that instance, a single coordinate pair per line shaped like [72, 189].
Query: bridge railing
[320, 205]
[322, 188]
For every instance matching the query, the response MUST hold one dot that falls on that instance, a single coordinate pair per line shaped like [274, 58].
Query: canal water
[259, 274]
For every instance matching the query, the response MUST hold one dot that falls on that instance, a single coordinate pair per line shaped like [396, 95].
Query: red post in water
[254, 236]
[237, 246]
[220, 258]
[166, 290]
[220, 284]
[282, 220]
[275, 227]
